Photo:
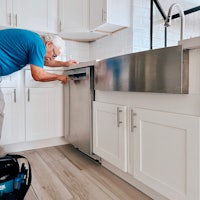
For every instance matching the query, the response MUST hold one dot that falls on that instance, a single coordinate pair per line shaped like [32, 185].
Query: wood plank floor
[64, 173]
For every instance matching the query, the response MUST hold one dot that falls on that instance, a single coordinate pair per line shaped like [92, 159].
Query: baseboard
[23, 146]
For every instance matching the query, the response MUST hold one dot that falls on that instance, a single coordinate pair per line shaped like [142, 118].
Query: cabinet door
[98, 13]
[110, 135]
[5, 12]
[13, 125]
[44, 113]
[109, 15]
[35, 15]
[166, 153]
[74, 16]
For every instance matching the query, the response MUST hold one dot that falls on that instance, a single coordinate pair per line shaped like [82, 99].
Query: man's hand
[63, 78]
[70, 62]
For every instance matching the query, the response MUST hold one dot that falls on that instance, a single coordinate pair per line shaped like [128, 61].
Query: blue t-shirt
[19, 47]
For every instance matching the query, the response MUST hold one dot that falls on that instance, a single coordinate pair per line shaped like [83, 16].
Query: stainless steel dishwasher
[81, 96]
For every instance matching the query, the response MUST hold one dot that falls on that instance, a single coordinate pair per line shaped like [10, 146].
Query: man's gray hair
[56, 40]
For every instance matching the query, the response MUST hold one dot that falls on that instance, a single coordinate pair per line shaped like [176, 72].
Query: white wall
[136, 38]
[118, 43]
[141, 25]
[77, 50]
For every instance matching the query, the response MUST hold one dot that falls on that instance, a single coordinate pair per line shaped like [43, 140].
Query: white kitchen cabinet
[164, 152]
[109, 15]
[74, 16]
[5, 13]
[35, 15]
[74, 21]
[13, 125]
[110, 133]
[33, 111]
[44, 109]
[88, 20]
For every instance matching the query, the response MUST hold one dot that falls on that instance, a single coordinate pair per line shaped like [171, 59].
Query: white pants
[2, 105]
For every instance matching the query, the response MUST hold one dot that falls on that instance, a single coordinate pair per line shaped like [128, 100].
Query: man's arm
[41, 75]
[56, 63]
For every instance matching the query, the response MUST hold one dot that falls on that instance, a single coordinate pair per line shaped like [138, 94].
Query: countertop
[191, 43]
[79, 65]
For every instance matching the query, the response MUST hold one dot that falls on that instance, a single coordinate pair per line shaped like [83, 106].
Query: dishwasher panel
[81, 96]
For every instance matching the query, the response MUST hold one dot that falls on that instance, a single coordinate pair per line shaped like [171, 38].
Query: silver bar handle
[60, 26]
[132, 120]
[9, 19]
[76, 77]
[118, 117]
[28, 95]
[16, 20]
[15, 99]
[102, 18]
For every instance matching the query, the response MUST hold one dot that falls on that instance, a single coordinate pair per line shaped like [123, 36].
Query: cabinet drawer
[30, 82]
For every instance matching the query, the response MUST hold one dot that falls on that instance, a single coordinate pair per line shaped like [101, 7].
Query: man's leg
[2, 104]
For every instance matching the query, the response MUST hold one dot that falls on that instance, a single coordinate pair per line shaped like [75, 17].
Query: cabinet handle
[60, 26]
[28, 95]
[118, 120]
[9, 19]
[15, 99]
[102, 14]
[132, 120]
[15, 19]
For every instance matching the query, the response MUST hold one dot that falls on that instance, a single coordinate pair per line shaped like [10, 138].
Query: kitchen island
[151, 139]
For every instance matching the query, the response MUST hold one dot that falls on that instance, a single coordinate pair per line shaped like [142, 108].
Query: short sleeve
[37, 53]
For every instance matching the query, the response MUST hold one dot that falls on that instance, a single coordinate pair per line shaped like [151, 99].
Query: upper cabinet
[79, 20]
[109, 15]
[6, 13]
[35, 15]
[73, 16]
[74, 21]
[88, 20]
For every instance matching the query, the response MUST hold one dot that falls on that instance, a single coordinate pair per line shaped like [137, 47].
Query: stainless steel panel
[81, 94]
[161, 70]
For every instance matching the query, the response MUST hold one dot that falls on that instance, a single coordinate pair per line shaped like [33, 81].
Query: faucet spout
[168, 21]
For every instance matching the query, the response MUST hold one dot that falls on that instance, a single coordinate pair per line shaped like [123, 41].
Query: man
[20, 47]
